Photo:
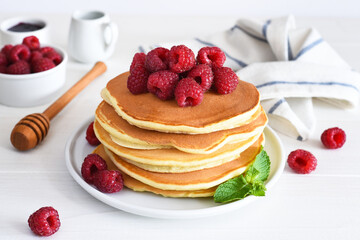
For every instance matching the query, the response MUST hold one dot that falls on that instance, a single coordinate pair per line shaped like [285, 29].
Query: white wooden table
[322, 205]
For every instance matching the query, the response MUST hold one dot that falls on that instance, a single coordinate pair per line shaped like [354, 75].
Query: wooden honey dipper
[33, 128]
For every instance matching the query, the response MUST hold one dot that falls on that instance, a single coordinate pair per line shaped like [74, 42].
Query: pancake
[174, 160]
[136, 185]
[189, 181]
[216, 112]
[130, 136]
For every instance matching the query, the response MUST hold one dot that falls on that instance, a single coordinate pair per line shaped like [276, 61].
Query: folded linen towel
[289, 66]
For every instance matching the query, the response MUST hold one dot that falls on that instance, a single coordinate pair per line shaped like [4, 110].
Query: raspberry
[163, 84]
[108, 181]
[19, 67]
[188, 93]
[302, 161]
[54, 56]
[181, 59]
[41, 64]
[92, 164]
[90, 135]
[45, 221]
[35, 55]
[333, 138]
[6, 49]
[203, 75]
[44, 50]
[139, 58]
[31, 42]
[3, 59]
[19, 52]
[137, 81]
[225, 80]
[3, 69]
[212, 56]
[157, 59]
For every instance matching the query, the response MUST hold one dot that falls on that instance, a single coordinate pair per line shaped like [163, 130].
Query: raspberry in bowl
[31, 74]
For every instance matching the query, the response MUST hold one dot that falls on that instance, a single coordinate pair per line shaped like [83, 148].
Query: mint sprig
[252, 182]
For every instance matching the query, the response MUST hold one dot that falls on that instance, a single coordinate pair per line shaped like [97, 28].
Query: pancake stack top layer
[179, 152]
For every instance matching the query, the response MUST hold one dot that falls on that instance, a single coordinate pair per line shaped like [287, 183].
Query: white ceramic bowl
[28, 90]
[10, 37]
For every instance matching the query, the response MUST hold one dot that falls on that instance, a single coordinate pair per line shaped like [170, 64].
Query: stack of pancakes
[178, 152]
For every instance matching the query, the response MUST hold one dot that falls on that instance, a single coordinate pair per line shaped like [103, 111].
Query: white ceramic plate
[152, 205]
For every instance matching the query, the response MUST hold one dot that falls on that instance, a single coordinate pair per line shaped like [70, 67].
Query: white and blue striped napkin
[289, 66]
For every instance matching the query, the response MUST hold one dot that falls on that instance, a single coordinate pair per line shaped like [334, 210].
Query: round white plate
[152, 205]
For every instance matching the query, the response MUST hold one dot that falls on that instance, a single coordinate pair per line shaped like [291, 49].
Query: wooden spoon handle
[98, 69]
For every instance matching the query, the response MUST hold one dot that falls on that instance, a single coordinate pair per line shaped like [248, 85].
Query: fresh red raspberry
[137, 81]
[302, 161]
[35, 55]
[3, 69]
[6, 49]
[181, 59]
[90, 135]
[45, 221]
[212, 56]
[19, 52]
[203, 75]
[163, 84]
[333, 138]
[44, 50]
[108, 181]
[31, 42]
[3, 59]
[41, 64]
[157, 59]
[19, 67]
[188, 93]
[92, 164]
[139, 58]
[225, 80]
[53, 56]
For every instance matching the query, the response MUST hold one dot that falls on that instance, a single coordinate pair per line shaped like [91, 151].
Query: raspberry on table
[45, 221]
[212, 56]
[157, 59]
[188, 93]
[108, 181]
[139, 58]
[225, 80]
[31, 42]
[162, 84]
[90, 135]
[203, 75]
[54, 56]
[19, 67]
[3, 59]
[6, 49]
[41, 64]
[19, 52]
[92, 164]
[333, 138]
[137, 81]
[181, 59]
[302, 161]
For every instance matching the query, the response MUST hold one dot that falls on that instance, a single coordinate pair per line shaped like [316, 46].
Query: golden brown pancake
[216, 112]
[141, 187]
[130, 136]
[188, 181]
[173, 160]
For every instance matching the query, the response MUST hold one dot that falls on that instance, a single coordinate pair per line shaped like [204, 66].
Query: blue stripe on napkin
[308, 47]
[248, 33]
[264, 28]
[276, 105]
[239, 62]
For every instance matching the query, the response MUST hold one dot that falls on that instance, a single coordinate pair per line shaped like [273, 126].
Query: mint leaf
[231, 190]
[262, 165]
[258, 189]
[250, 182]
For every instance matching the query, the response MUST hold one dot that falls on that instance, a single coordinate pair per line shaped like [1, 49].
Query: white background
[338, 8]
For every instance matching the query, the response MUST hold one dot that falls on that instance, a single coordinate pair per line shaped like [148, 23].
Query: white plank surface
[322, 205]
